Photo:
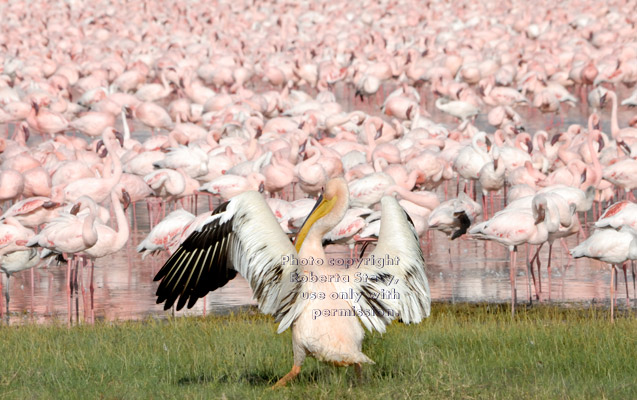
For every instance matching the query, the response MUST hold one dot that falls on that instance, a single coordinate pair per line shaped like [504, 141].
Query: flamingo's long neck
[116, 164]
[594, 180]
[614, 125]
[123, 229]
[89, 233]
[478, 149]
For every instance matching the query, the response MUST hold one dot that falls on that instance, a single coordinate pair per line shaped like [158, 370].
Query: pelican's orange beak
[322, 207]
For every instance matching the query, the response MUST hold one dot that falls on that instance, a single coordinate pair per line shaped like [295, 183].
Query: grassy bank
[462, 351]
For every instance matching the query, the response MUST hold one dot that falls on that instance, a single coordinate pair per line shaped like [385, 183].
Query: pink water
[464, 270]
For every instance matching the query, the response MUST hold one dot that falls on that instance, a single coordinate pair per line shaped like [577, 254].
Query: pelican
[321, 302]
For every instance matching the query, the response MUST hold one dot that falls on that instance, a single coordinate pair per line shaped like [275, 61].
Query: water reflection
[458, 271]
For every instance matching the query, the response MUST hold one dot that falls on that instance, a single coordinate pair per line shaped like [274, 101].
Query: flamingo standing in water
[228, 186]
[11, 184]
[109, 241]
[619, 214]
[45, 121]
[513, 227]
[166, 233]
[93, 123]
[491, 177]
[153, 115]
[33, 211]
[457, 108]
[472, 158]
[612, 247]
[13, 262]
[98, 188]
[70, 235]
[14, 256]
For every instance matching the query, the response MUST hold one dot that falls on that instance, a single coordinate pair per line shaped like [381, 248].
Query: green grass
[461, 351]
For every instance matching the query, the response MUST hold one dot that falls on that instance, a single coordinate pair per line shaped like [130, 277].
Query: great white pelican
[322, 300]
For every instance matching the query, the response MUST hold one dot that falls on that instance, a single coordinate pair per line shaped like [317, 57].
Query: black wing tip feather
[198, 266]
[465, 223]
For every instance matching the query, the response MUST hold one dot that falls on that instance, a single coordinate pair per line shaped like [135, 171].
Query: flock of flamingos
[109, 103]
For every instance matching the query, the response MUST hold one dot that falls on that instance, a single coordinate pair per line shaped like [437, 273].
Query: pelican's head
[328, 210]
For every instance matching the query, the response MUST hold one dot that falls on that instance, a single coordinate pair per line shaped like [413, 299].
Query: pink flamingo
[619, 214]
[619, 134]
[166, 234]
[93, 123]
[151, 91]
[491, 178]
[612, 247]
[310, 173]
[34, 211]
[13, 262]
[37, 182]
[623, 174]
[69, 235]
[513, 227]
[109, 240]
[98, 188]
[470, 159]
[228, 186]
[454, 216]
[153, 115]
[278, 174]
[11, 184]
[44, 121]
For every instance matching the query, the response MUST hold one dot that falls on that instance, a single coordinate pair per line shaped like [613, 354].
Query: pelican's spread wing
[392, 280]
[241, 236]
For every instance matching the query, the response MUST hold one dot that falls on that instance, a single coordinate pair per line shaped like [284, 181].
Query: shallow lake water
[464, 270]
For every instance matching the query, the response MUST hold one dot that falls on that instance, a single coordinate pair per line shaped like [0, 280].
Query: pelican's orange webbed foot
[296, 369]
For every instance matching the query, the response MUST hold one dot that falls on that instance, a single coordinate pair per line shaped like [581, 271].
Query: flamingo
[109, 241]
[278, 174]
[459, 109]
[454, 216]
[33, 211]
[311, 175]
[561, 222]
[491, 178]
[153, 115]
[470, 159]
[13, 262]
[228, 186]
[513, 227]
[619, 134]
[166, 233]
[70, 235]
[98, 188]
[623, 174]
[93, 123]
[45, 121]
[612, 247]
[11, 184]
[619, 214]
[370, 189]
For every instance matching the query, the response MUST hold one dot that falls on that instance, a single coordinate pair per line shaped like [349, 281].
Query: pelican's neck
[313, 243]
